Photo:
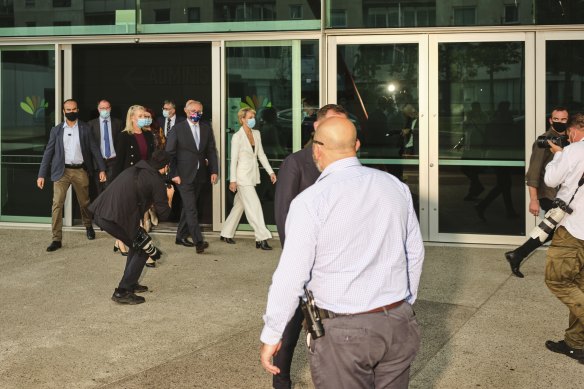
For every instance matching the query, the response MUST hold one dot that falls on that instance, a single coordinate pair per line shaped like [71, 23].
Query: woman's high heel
[263, 245]
[117, 248]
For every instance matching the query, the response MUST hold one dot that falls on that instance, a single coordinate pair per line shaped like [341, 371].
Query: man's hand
[273, 178]
[102, 177]
[213, 179]
[233, 186]
[40, 182]
[267, 351]
[176, 180]
[534, 207]
[554, 148]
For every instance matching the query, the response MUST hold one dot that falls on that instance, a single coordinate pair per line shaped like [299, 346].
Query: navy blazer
[116, 128]
[185, 156]
[54, 155]
[297, 172]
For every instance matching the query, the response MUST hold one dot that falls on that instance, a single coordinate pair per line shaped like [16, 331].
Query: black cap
[159, 159]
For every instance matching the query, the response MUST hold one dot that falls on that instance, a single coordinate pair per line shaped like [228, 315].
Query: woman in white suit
[246, 149]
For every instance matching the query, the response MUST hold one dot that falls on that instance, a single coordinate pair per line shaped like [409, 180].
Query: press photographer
[118, 211]
[564, 270]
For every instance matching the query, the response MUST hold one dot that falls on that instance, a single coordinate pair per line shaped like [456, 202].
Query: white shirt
[72, 144]
[111, 139]
[566, 169]
[353, 238]
[196, 130]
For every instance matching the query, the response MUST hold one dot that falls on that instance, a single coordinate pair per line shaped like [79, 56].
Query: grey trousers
[372, 350]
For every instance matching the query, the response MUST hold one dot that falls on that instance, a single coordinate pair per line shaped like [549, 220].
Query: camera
[560, 140]
[559, 203]
[311, 315]
[143, 241]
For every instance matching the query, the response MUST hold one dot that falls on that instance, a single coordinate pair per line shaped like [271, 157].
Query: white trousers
[246, 199]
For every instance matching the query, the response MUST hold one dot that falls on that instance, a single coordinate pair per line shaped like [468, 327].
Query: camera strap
[580, 183]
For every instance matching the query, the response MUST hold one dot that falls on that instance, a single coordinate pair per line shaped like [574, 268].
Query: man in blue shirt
[354, 240]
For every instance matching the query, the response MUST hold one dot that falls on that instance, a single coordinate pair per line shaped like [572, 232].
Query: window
[296, 11]
[194, 15]
[61, 4]
[465, 16]
[338, 18]
[29, 4]
[62, 23]
[162, 16]
[511, 14]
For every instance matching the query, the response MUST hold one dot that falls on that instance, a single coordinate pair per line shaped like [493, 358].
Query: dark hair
[68, 101]
[560, 108]
[159, 159]
[577, 121]
[169, 102]
[321, 113]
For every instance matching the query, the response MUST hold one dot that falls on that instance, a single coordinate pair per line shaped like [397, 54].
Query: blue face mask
[104, 113]
[143, 122]
[165, 113]
[148, 121]
[196, 117]
[251, 122]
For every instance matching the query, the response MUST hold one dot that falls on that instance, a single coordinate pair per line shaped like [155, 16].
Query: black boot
[516, 256]
[263, 245]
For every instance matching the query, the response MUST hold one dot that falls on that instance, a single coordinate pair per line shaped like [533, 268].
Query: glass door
[27, 113]
[480, 109]
[382, 82]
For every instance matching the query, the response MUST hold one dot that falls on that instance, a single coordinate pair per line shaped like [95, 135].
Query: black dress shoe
[122, 296]
[185, 242]
[227, 240]
[562, 348]
[263, 245]
[140, 288]
[90, 233]
[54, 245]
[201, 246]
[514, 260]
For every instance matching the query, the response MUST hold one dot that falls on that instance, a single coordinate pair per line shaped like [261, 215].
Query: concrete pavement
[199, 327]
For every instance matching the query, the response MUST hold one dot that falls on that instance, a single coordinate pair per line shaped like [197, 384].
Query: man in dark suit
[191, 144]
[105, 130]
[169, 117]
[297, 172]
[70, 155]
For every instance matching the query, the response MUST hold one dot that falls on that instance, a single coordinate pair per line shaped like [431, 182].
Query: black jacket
[120, 204]
[127, 151]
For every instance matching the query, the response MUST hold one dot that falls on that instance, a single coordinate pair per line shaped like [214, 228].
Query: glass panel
[564, 76]
[482, 138]
[27, 115]
[66, 17]
[378, 86]
[228, 15]
[424, 13]
[271, 93]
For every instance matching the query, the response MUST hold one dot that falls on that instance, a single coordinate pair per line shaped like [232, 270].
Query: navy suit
[189, 162]
[116, 128]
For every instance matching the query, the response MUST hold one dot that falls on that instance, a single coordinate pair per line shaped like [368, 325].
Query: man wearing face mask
[191, 144]
[70, 156]
[105, 130]
[169, 117]
[541, 196]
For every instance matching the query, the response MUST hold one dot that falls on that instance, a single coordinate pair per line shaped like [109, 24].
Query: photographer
[541, 196]
[564, 270]
[119, 209]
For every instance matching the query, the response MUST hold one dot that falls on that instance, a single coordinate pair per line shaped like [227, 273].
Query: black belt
[326, 314]
[109, 159]
[74, 165]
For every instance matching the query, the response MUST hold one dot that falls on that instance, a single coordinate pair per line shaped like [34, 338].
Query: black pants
[284, 357]
[136, 257]
[189, 219]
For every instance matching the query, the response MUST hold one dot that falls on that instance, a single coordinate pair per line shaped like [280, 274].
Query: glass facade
[564, 77]
[27, 113]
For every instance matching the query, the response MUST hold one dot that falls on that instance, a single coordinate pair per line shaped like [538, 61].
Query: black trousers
[284, 357]
[189, 219]
[136, 257]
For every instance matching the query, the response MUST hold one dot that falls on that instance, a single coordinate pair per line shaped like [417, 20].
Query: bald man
[353, 239]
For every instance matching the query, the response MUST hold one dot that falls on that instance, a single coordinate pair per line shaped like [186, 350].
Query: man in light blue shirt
[354, 240]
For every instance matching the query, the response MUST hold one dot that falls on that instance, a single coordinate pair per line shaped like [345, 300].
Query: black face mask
[559, 127]
[72, 116]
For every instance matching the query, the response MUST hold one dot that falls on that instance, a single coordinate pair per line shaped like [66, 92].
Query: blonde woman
[246, 149]
[132, 145]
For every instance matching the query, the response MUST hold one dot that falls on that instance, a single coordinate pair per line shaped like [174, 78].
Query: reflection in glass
[481, 138]
[378, 86]
[564, 77]
[28, 113]
[261, 77]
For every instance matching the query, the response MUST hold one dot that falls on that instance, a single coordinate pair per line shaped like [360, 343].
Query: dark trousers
[189, 219]
[95, 186]
[284, 357]
[531, 244]
[136, 257]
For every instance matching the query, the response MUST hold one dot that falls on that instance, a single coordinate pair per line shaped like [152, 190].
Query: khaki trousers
[564, 276]
[246, 199]
[80, 181]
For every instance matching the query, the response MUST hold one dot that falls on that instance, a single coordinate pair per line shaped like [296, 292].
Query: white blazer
[244, 167]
